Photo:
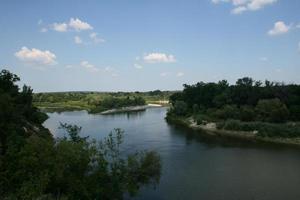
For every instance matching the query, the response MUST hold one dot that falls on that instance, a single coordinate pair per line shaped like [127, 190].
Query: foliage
[240, 100]
[246, 105]
[264, 129]
[117, 102]
[272, 110]
[34, 165]
[179, 108]
[62, 101]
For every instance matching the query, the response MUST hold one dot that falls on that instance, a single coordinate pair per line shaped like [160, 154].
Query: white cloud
[95, 38]
[137, 66]
[79, 25]
[60, 27]
[241, 6]
[299, 46]
[179, 74]
[258, 4]
[159, 58]
[77, 40]
[238, 10]
[36, 56]
[279, 28]
[74, 24]
[88, 66]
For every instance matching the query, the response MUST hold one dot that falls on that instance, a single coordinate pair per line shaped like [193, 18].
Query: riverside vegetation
[96, 102]
[34, 165]
[266, 111]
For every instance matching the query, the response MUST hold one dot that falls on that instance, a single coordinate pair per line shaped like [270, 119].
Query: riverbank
[55, 108]
[247, 136]
[129, 109]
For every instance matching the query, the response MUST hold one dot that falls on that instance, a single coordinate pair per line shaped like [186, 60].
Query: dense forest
[34, 165]
[96, 101]
[268, 107]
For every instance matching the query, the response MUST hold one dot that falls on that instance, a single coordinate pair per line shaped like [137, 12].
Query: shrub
[272, 110]
[180, 108]
[227, 112]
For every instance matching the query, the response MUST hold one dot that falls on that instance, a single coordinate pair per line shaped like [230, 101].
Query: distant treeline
[117, 102]
[91, 101]
[247, 100]
[93, 97]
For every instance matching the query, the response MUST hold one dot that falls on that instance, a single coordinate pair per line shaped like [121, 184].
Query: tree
[34, 165]
[272, 110]
[180, 108]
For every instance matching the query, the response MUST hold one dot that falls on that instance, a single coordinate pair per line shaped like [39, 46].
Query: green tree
[272, 110]
[34, 165]
[180, 108]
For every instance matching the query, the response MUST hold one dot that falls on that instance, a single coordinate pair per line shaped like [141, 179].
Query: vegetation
[96, 101]
[266, 107]
[34, 165]
[117, 102]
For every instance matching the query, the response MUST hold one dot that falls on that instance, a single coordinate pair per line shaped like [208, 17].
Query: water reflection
[197, 166]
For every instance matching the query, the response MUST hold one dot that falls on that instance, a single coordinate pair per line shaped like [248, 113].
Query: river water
[194, 166]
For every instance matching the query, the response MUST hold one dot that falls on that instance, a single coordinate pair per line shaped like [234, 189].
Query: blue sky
[145, 45]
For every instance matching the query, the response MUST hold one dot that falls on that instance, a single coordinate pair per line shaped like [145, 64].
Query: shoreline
[105, 112]
[129, 109]
[239, 135]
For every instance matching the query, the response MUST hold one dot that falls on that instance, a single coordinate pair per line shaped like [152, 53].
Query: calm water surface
[195, 167]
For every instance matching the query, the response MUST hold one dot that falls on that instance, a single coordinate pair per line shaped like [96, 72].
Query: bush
[227, 112]
[247, 113]
[272, 110]
[180, 108]
[201, 119]
[264, 129]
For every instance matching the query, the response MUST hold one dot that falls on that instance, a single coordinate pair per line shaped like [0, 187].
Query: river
[196, 167]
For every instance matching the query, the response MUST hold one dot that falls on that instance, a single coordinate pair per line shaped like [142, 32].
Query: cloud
[74, 24]
[159, 58]
[79, 25]
[94, 37]
[77, 40]
[36, 56]
[137, 66]
[241, 6]
[89, 66]
[299, 46]
[179, 74]
[279, 28]
[60, 27]
[238, 10]
[258, 4]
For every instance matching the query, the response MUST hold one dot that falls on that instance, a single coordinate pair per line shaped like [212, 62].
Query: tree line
[246, 100]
